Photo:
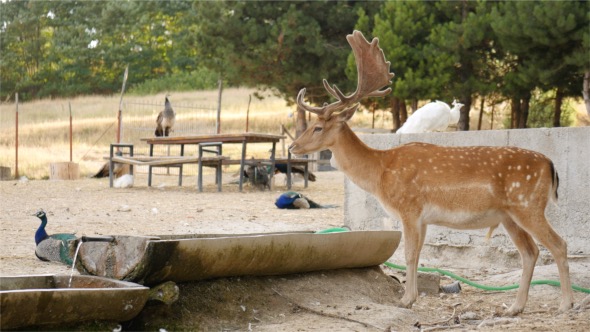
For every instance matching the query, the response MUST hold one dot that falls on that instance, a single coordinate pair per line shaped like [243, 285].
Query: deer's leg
[413, 240]
[528, 254]
[546, 235]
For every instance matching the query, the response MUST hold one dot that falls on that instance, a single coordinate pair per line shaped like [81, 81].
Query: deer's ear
[347, 113]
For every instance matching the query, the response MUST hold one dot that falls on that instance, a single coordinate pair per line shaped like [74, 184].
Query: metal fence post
[16, 140]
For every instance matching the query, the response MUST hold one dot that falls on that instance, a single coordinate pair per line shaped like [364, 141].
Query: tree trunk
[300, 122]
[586, 91]
[395, 114]
[558, 103]
[414, 105]
[64, 171]
[464, 117]
[481, 105]
[372, 110]
[403, 111]
[514, 112]
[524, 111]
[5, 173]
[492, 117]
[520, 112]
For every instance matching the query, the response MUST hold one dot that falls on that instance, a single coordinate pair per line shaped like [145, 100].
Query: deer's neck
[360, 163]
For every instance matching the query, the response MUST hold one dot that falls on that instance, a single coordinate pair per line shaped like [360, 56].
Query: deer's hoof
[513, 311]
[565, 306]
[406, 303]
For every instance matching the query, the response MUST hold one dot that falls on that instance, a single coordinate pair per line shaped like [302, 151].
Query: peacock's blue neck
[41, 234]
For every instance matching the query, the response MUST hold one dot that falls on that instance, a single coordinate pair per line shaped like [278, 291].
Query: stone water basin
[33, 300]
[193, 257]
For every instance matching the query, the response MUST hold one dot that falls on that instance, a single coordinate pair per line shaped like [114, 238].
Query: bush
[542, 111]
[200, 79]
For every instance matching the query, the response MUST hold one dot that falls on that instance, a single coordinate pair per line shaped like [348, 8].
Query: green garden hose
[484, 287]
[332, 230]
[456, 277]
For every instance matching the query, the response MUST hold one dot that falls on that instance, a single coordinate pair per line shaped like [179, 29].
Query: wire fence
[35, 134]
[139, 121]
[39, 132]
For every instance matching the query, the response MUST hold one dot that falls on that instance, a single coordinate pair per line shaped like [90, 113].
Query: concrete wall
[569, 148]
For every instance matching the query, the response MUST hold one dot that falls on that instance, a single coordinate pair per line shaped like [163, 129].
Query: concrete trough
[182, 258]
[35, 300]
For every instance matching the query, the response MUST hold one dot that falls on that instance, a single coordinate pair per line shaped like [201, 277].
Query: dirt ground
[346, 300]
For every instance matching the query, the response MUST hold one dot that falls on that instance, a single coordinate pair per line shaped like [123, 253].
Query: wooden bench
[214, 161]
[164, 161]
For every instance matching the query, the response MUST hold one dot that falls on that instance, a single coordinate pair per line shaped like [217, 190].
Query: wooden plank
[163, 161]
[224, 138]
[294, 160]
[299, 161]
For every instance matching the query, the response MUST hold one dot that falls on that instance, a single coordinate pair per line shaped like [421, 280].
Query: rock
[469, 315]
[166, 293]
[428, 283]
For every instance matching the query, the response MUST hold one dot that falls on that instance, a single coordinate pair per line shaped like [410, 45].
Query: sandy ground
[346, 301]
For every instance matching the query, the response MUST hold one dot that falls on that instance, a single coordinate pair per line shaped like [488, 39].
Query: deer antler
[373, 74]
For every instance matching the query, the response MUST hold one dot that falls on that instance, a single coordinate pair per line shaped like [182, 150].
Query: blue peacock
[294, 200]
[52, 247]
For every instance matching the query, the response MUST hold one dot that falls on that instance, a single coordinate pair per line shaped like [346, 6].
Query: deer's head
[373, 74]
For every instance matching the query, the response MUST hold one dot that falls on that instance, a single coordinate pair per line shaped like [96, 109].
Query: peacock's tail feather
[56, 248]
[312, 204]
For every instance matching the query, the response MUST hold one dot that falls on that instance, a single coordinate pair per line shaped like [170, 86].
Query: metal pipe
[16, 140]
[218, 119]
[97, 239]
[120, 112]
[70, 105]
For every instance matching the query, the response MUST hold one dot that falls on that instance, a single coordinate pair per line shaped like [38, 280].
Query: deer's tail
[554, 182]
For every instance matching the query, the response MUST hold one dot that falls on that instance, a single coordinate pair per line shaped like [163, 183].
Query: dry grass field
[43, 132]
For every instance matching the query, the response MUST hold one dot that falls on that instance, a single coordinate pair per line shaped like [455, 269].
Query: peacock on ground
[52, 247]
[258, 176]
[282, 168]
[294, 200]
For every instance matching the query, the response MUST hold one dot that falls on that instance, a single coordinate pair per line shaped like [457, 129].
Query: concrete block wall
[569, 148]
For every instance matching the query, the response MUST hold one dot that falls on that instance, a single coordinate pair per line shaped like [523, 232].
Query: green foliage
[438, 49]
[68, 48]
[287, 45]
[201, 79]
[546, 39]
[542, 110]
[403, 29]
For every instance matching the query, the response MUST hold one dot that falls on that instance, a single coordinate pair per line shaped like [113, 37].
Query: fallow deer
[425, 184]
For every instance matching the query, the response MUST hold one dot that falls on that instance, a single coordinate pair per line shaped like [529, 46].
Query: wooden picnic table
[243, 138]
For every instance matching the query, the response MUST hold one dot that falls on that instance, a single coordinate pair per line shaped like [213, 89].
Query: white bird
[434, 116]
[455, 112]
[125, 181]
